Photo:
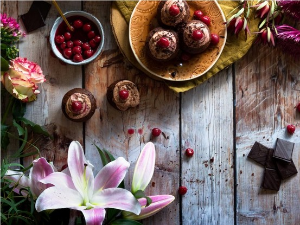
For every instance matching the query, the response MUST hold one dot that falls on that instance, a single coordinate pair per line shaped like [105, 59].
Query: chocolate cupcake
[162, 45]
[123, 95]
[195, 37]
[78, 105]
[172, 12]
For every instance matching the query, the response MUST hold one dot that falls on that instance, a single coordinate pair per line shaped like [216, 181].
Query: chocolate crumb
[173, 74]
[212, 160]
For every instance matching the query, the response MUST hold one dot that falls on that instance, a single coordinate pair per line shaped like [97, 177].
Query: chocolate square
[270, 161]
[32, 20]
[286, 169]
[42, 6]
[259, 153]
[284, 150]
[271, 180]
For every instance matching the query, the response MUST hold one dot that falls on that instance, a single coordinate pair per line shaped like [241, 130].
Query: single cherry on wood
[198, 14]
[291, 129]
[174, 10]
[182, 190]
[214, 39]
[206, 20]
[156, 132]
[189, 152]
[124, 94]
[163, 42]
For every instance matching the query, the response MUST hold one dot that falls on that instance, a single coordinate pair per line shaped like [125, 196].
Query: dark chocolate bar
[271, 180]
[42, 6]
[32, 20]
[284, 150]
[286, 169]
[259, 153]
[270, 161]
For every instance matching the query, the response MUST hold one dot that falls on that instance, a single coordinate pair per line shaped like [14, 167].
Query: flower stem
[7, 110]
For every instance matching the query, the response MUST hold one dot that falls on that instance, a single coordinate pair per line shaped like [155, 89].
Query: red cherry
[77, 50]
[68, 36]
[59, 39]
[123, 94]
[91, 34]
[189, 152]
[88, 53]
[77, 58]
[298, 107]
[92, 43]
[70, 44]
[182, 190]
[290, 129]
[76, 106]
[63, 45]
[185, 57]
[198, 14]
[197, 35]
[87, 27]
[77, 43]
[68, 53]
[97, 39]
[214, 39]
[174, 10]
[86, 46]
[206, 20]
[77, 24]
[163, 42]
[156, 132]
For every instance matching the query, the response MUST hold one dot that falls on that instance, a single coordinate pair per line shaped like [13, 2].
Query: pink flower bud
[238, 25]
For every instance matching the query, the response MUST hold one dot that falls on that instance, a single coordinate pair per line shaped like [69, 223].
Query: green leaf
[19, 128]
[149, 201]
[102, 156]
[125, 222]
[4, 136]
[111, 157]
[18, 110]
[111, 213]
[139, 194]
[4, 64]
[35, 127]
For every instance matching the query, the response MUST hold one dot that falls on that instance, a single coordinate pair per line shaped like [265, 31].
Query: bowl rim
[59, 20]
[169, 79]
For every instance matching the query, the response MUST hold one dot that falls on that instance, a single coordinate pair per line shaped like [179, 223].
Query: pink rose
[22, 78]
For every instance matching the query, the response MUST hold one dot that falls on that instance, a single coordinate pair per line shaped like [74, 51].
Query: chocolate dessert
[162, 45]
[78, 105]
[172, 12]
[123, 95]
[195, 37]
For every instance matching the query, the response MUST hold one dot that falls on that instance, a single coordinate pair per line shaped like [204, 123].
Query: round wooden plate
[143, 19]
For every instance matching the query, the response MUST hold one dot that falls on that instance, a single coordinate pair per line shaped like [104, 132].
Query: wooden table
[252, 100]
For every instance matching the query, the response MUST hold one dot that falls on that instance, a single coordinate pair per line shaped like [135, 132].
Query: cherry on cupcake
[77, 58]
[123, 94]
[206, 20]
[291, 129]
[156, 132]
[182, 190]
[197, 35]
[77, 24]
[67, 53]
[198, 14]
[91, 34]
[163, 42]
[59, 39]
[70, 44]
[189, 152]
[77, 43]
[214, 39]
[67, 36]
[87, 27]
[88, 53]
[76, 106]
[77, 50]
[174, 10]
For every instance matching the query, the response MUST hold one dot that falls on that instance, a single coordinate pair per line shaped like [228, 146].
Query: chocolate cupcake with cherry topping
[78, 105]
[172, 12]
[123, 95]
[162, 45]
[195, 37]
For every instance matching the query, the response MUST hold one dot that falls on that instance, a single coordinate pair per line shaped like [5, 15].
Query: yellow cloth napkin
[235, 48]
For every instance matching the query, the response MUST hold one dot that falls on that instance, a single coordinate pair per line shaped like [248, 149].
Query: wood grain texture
[46, 109]
[267, 91]
[207, 127]
[108, 128]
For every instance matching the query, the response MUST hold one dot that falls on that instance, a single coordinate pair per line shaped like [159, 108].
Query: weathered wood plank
[46, 109]
[267, 91]
[108, 128]
[207, 127]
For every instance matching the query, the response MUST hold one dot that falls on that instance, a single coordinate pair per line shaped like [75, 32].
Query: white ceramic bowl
[59, 20]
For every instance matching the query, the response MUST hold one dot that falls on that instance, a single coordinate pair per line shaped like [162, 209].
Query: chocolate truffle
[123, 95]
[78, 105]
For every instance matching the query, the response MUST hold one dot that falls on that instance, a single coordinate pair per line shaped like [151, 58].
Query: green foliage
[141, 194]
[4, 64]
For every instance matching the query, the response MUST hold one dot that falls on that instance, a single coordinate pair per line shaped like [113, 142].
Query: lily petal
[111, 175]
[58, 198]
[116, 198]
[19, 181]
[94, 216]
[40, 169]
[144, 168]
[158, 203]
[59, 179]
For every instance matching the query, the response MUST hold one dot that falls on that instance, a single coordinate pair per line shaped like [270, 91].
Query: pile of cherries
[80, 43]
